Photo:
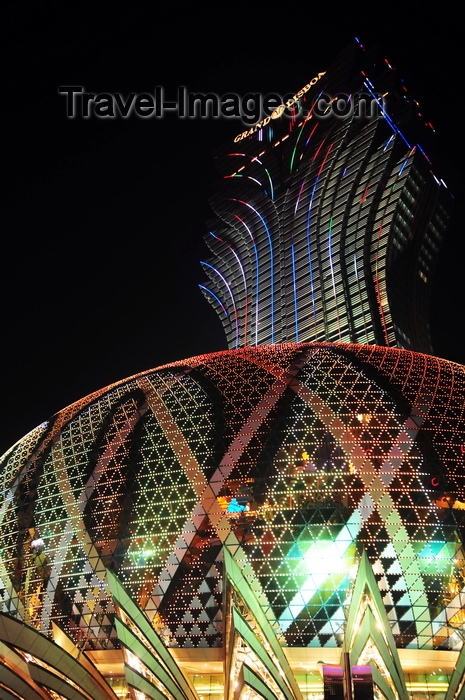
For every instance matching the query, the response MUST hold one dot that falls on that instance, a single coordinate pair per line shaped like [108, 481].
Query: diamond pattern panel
[296, 458]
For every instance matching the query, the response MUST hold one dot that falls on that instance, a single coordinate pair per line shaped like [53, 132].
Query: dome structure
[226, 525]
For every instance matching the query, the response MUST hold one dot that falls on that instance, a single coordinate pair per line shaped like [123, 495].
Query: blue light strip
[218, 301]
[309, 251]
[309, 218]
[404, 164]
[294, 276]
[386, 115]
[388, 142]
[330, 251]
[230, 294]
[257, 271]
[243, 279]
[240, 201]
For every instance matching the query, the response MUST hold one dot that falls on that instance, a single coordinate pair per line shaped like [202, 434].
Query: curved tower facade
[329, 220]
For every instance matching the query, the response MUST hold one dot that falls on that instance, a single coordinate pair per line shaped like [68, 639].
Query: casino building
[283, 519]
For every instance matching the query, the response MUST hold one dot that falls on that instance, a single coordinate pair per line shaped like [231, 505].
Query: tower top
[327, 218]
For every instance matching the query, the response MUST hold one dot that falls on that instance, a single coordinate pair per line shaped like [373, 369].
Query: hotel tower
[329, 219]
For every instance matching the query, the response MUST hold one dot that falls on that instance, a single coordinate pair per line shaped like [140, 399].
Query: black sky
[103, 220]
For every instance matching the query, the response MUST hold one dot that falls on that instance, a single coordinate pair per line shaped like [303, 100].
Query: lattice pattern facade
[296, 458]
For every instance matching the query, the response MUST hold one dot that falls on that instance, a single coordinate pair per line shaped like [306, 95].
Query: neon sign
[279, 111]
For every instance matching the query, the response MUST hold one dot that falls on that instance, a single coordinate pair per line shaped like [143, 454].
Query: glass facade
[327, 226]
[297, 459]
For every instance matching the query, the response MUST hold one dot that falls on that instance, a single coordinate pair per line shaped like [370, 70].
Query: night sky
[103, 219]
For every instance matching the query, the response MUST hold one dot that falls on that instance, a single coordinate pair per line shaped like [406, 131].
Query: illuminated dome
[246, 511]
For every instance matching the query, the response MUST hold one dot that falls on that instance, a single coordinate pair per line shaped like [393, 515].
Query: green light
[325, 559]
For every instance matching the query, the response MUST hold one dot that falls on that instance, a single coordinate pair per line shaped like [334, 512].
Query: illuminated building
[262, 522]
[235, 496]
[328, 227]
